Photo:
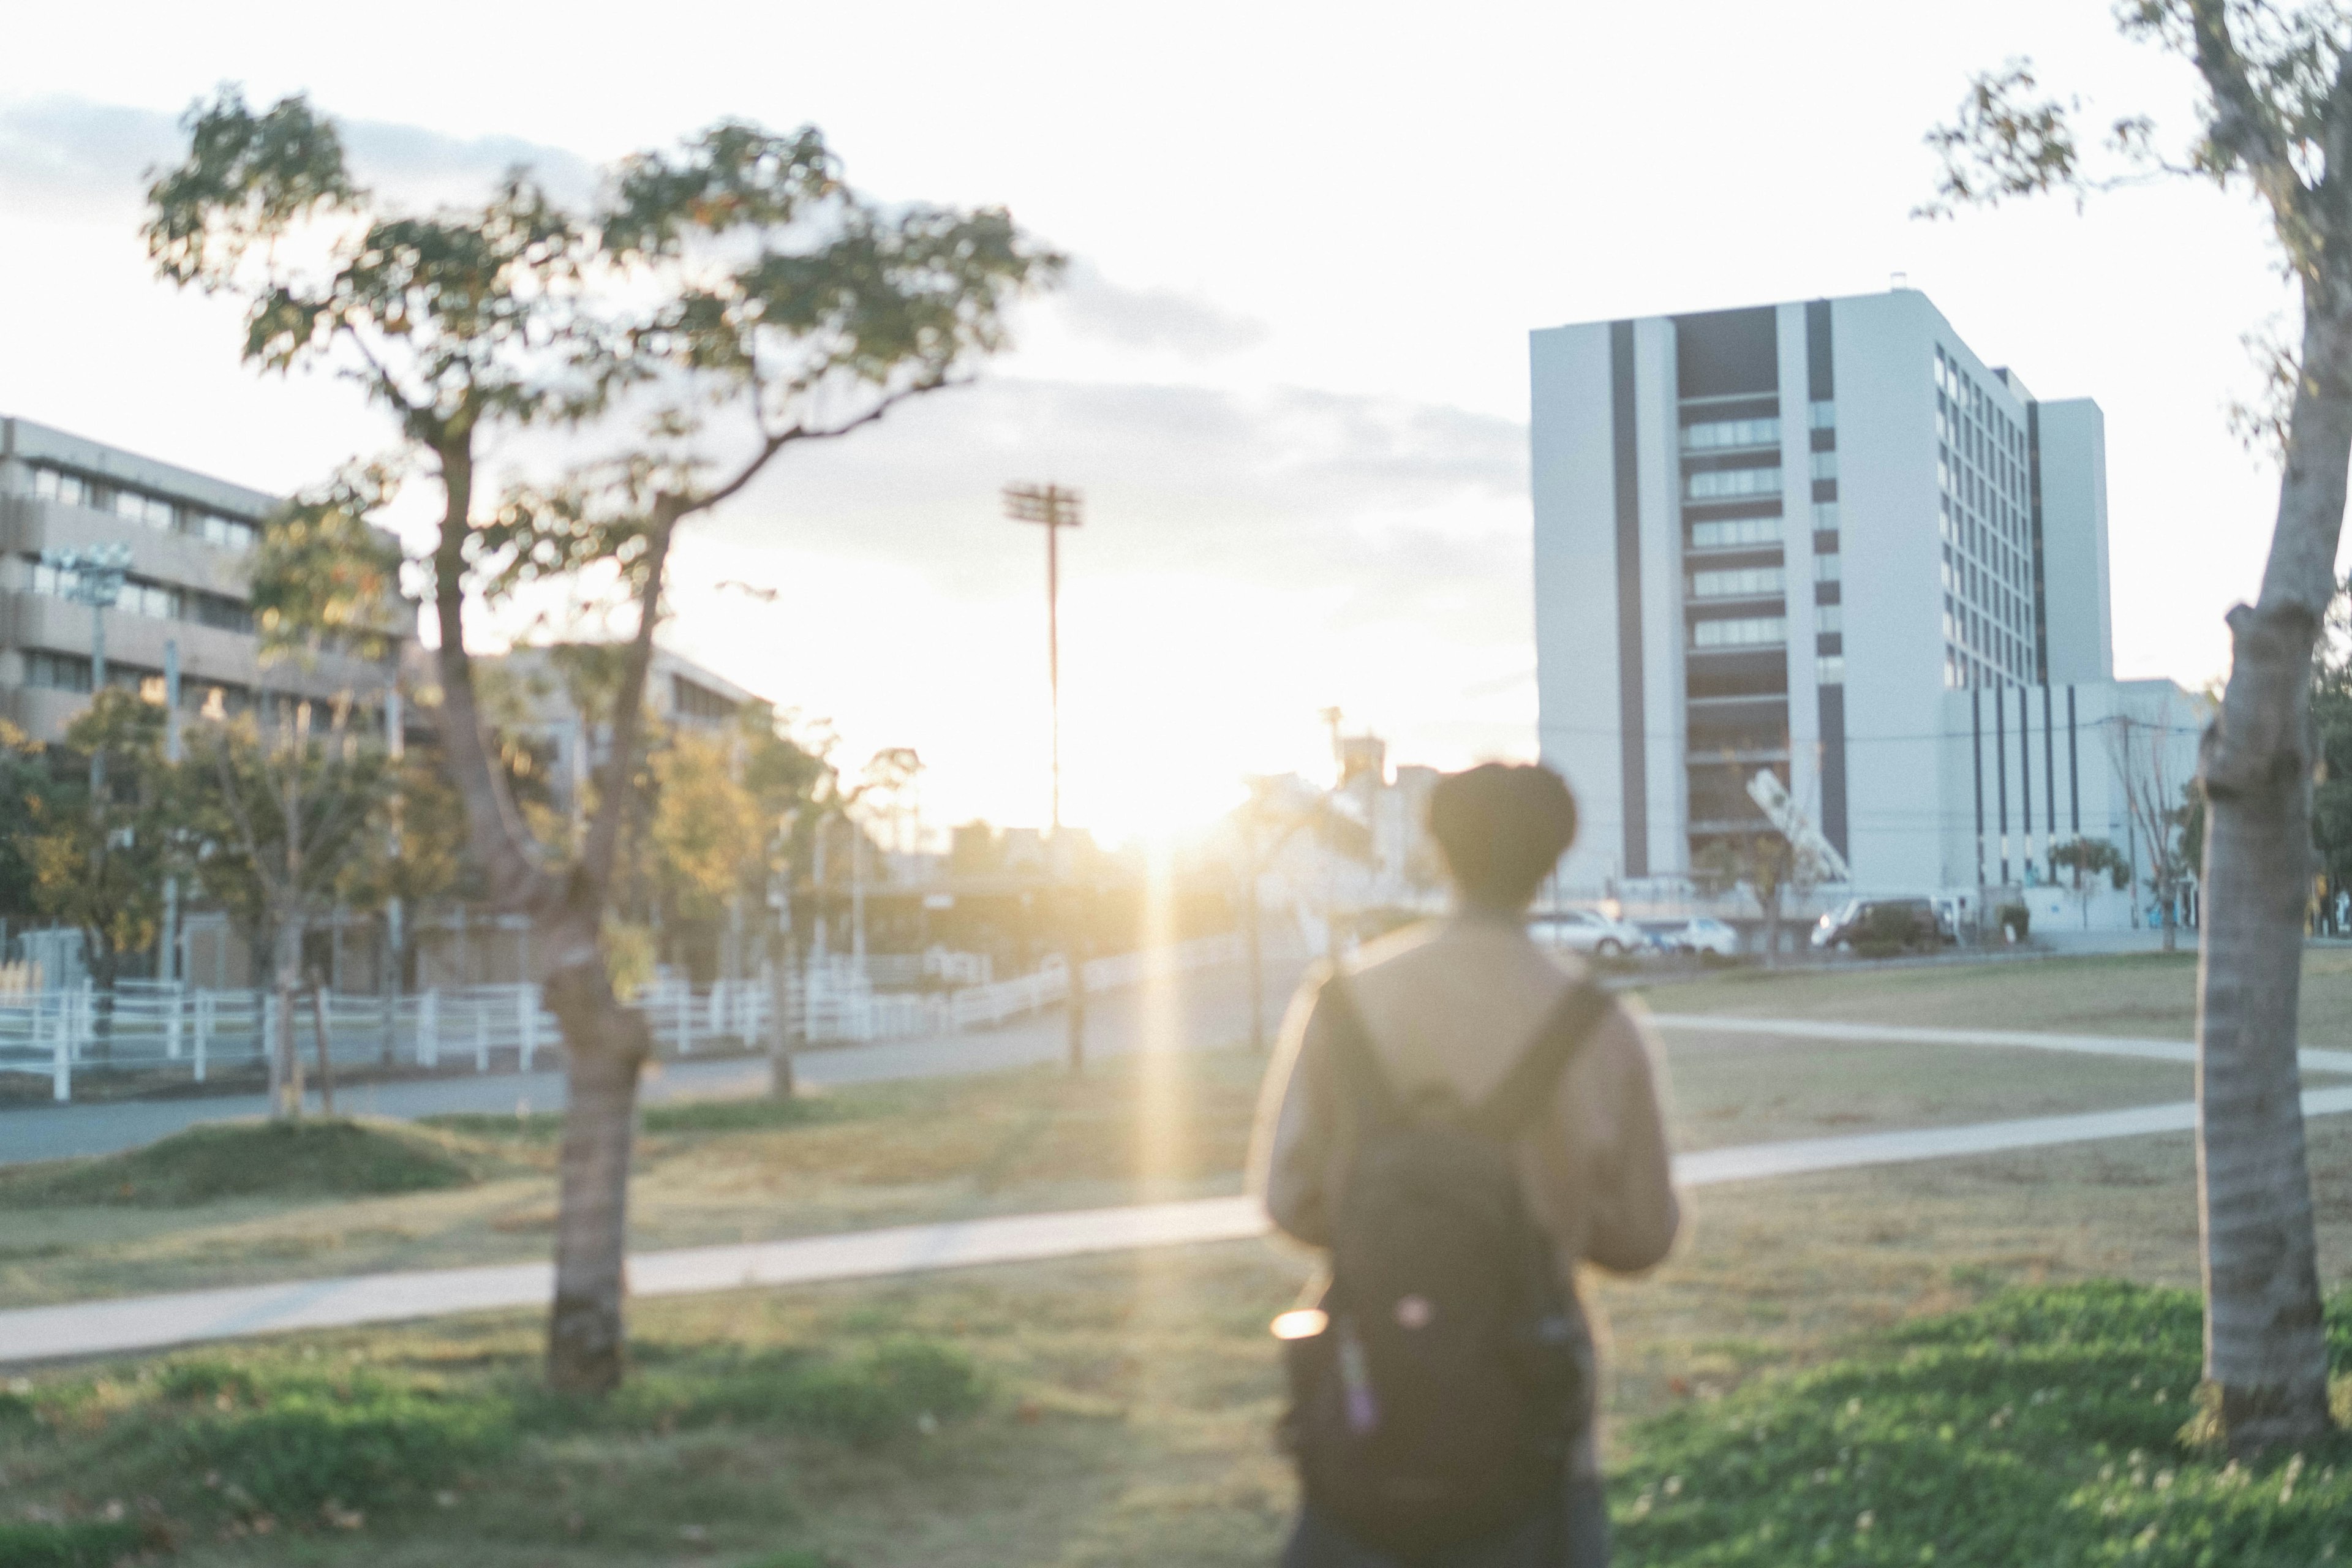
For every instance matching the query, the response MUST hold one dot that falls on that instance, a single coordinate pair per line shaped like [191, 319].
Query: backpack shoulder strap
[1358, 1069]
[1527, 1087]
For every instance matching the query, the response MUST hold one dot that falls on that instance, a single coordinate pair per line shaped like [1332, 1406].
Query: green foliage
[25, 785]
[100, 867]
[84, 1543]
[2087, 858]
[234, 1160]
[284, 817]
[2015, 918]
[324, 578]
[2043, 1429]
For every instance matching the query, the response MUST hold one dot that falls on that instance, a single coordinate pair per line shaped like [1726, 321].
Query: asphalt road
[1205, 1009]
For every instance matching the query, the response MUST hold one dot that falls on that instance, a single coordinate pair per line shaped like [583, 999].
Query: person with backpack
[1458, 1120]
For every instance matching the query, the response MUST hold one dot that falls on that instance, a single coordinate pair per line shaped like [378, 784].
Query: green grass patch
[2045, 1428]
[247, 1158]
[287, 1440]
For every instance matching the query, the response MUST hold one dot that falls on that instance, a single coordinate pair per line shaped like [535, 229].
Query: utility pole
[92, 577]
[1057, 509]
[168, 954]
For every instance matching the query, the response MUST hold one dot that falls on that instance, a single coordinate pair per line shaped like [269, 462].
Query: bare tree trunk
[606, 1048]
[325, 1043]
[286, 1062]
[2265, 1345]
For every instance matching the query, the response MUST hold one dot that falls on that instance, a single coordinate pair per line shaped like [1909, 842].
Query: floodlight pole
[1057, 509]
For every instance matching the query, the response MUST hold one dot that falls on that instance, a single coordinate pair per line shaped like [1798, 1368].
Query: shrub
[2014, 920]
[2044, 1428]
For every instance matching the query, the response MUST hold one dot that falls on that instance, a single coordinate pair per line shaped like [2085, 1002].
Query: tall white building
[1826, 538]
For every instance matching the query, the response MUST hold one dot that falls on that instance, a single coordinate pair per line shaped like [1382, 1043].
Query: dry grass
[2150, 995]
[1131, 1396]
[1025, 1142]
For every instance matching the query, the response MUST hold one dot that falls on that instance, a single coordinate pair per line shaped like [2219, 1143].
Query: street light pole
[1057, 509]
[92, 577]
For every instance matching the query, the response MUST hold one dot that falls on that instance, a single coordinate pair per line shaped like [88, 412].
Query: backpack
[1436, 1392]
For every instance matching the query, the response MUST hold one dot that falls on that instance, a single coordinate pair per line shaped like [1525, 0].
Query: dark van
[1906, 923]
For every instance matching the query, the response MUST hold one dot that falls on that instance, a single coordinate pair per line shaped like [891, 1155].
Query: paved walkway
[2313, 1061]
[152, 1322]
[1210, 1008]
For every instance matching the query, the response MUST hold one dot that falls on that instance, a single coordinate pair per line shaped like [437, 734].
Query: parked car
[1688, 936]
[1903, 922]
[1586, 930]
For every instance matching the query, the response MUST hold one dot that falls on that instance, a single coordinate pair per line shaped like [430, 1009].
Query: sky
[1288, 370]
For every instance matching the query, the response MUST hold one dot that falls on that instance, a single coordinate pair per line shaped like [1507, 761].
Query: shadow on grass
[310, 1159]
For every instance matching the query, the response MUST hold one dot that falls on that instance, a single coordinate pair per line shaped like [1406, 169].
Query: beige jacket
[1455, 1002]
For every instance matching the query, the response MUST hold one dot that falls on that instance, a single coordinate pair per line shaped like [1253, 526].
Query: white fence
[144, 1027]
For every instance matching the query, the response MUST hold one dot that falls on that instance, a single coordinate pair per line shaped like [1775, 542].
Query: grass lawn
[2147, 995]
[474, 1190]
[1116, 1410]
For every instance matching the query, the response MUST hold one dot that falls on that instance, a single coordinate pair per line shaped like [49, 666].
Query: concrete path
[1205, 1009]
[153, 1322]
[2313, 1061]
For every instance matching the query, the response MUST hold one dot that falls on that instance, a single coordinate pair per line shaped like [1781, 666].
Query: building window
[1825, 464]
[1828, 670]
[1723, 484]
[1756, 631]
[692, 700]
[56, 671]
[1829, 618]
[1825, 517]
[56, 485]
[1745, 584]
[227, 533]
[1735, 532]
[1719, 433]
[1826, 568]
[149, 512]
[1824, 414]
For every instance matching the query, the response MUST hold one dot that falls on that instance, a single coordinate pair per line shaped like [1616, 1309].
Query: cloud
[71, 157]
[1387, 508]
[1148, 318]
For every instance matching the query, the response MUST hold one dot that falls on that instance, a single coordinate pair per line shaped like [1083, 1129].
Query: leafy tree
[2088, 859]
[2274, 119]
[284, 806]
[707, 839]
[98, 865]
[722, 304]
[25, 785]
[2162, 805]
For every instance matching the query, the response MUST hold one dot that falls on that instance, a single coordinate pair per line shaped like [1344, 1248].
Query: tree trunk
[286, 1062]
[604, 1047]
[2265, 1345]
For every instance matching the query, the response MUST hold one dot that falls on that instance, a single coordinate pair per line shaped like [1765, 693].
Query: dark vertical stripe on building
[1821, 386]
[2049, 765]
[2040, 605]
[1975, 773]
[2025, 762]
[1631, 723]
[2074, 769]
[2001, 769]
[1832, 700]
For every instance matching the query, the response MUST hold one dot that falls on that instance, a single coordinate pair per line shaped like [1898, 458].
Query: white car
[1704, 934]
[1586, 930]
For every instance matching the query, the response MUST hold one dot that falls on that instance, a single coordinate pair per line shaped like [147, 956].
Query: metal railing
[155, 1027]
